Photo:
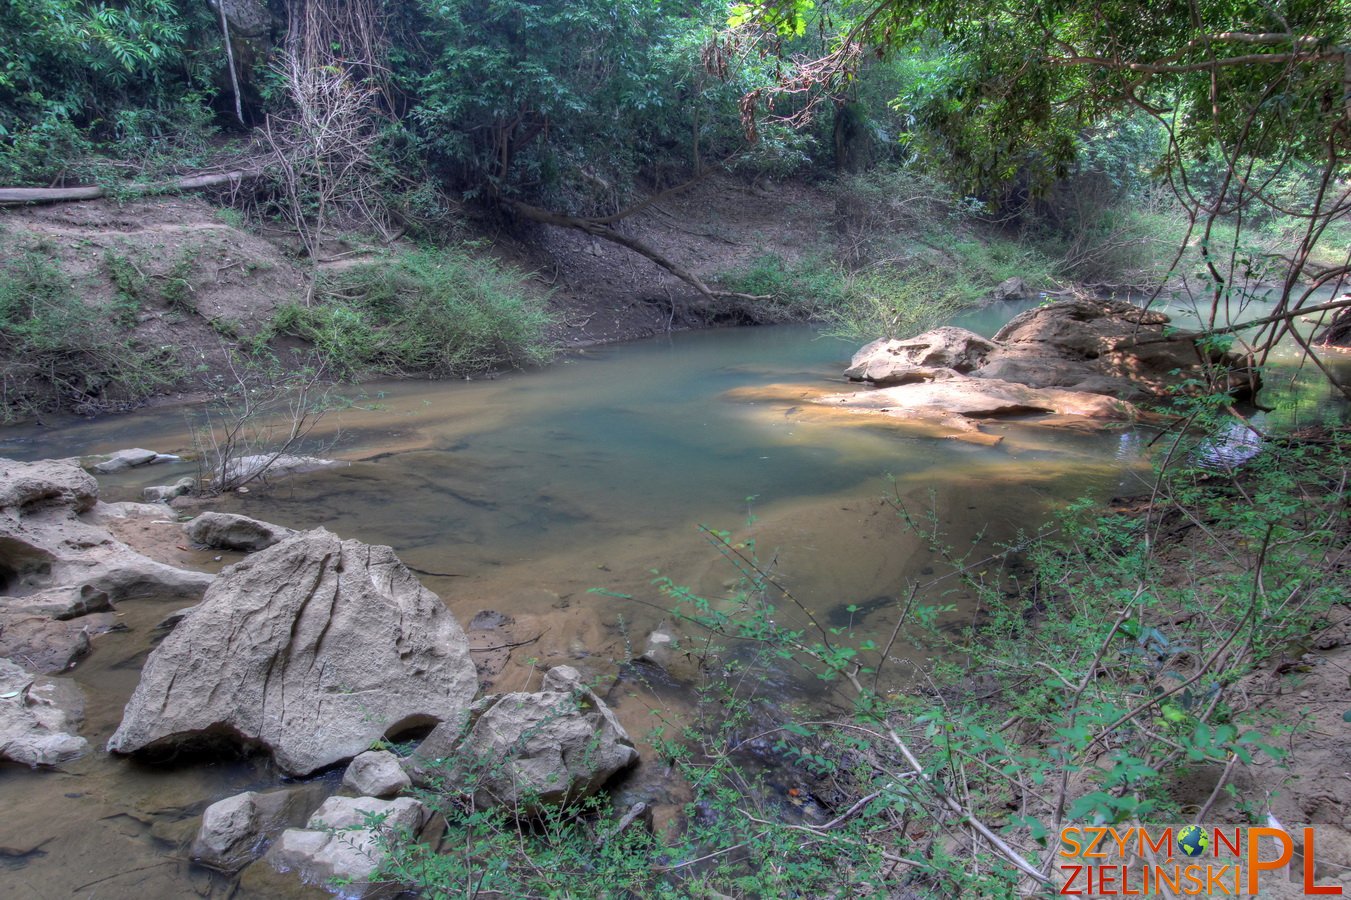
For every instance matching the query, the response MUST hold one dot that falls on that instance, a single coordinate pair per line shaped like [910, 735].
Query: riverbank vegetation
[1121, 667]
[950, 168]
[361, 154]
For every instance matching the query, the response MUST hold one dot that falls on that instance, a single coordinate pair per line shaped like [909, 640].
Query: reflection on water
[523, 493]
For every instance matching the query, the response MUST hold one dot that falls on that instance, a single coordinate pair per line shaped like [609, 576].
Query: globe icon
[1193, 840]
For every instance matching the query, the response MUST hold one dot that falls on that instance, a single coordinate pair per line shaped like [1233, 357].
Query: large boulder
[1338, 332]
[227, 531]
[932, 355]
[1103, 347]
[348, 839]
[39, 717]
[313, 649]
[529, 749]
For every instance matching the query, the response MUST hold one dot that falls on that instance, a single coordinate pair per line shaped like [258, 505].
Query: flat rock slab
[961, 403]
[126, 459]
[313, 649]
[39, 718]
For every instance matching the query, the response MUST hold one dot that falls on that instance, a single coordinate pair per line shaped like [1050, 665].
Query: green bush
[57, 352]
[439, 312]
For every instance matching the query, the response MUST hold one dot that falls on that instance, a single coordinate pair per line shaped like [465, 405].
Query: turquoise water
[525, 492]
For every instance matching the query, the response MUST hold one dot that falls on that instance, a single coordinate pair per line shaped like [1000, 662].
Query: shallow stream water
[522, 494]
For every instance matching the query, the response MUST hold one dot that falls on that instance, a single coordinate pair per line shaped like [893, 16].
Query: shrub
[57, 352]
[439, 312]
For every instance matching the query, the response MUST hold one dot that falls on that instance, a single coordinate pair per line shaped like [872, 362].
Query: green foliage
[440, 312]
[58, 352]
[570, 104]
[899, 303]
[74, 74]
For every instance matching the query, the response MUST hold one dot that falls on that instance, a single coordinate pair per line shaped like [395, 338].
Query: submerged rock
[163, 493]
[980, 398]
[39, 717]
[227, 531]
[529, 749]
[313, 648]
[347, 838]
[270, 466]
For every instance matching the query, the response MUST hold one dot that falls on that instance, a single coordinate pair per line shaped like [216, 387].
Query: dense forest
[386, 171]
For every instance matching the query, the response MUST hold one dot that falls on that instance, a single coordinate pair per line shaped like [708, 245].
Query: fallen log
[32, 196]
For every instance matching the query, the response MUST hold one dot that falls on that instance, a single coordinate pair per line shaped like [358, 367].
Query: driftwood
[30, 196]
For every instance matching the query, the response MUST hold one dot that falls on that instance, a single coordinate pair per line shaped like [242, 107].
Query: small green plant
[177, 290]
[130, 286]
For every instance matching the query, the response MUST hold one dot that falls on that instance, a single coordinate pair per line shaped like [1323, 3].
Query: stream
[522, 495]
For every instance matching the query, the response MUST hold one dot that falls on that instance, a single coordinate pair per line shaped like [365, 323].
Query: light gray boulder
[313, 648]
[53, 535]
[530, 749]
[269, 467]
[227, 531]
[1011, 289]
[342, 840]
[941, 353]
[376, 773]
[163, 493]
[39, 717]
[234, 830]
[125, 459]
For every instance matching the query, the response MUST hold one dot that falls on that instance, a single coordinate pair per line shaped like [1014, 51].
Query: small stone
[227, 531]
[234, 830]
[376, 773]
[163, 493]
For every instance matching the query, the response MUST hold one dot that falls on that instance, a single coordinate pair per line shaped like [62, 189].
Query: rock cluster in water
[312, 648]
[1083, 358]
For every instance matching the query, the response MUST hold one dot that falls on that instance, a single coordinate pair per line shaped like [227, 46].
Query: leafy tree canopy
[1007, 86]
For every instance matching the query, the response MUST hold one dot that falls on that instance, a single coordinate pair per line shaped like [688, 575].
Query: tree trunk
[1338, 332]
[29, 196]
